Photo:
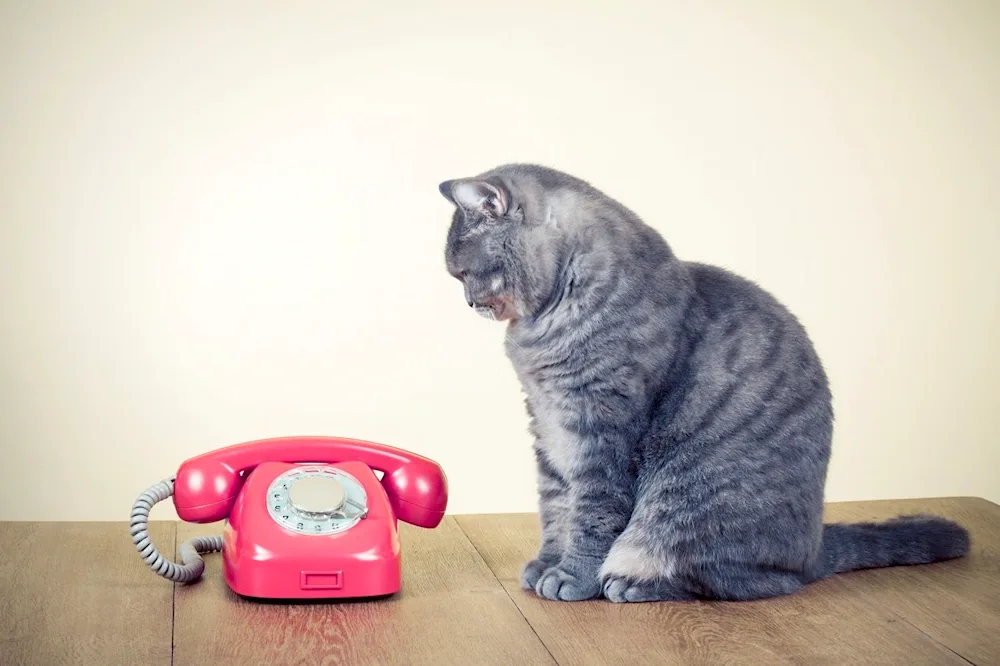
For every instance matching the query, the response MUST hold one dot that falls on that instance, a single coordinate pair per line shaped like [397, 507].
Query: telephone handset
[306, 517]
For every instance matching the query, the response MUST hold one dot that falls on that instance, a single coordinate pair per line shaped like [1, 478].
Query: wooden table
[77, 593]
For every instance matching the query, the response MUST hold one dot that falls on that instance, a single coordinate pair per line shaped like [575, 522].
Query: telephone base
[272, 601]
[263, 559]
[278, 583]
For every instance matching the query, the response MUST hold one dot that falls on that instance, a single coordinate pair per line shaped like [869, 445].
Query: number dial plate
[283, 510]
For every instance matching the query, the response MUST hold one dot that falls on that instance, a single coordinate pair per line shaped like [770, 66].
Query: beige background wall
[220, 221]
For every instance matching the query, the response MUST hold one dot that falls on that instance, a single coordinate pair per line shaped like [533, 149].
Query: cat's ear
[477, 196]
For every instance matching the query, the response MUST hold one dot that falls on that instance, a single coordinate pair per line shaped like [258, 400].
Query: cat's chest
[547, 379]
[560, 446]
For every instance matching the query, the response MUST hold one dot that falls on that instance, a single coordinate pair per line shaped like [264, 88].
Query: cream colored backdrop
[220, 221]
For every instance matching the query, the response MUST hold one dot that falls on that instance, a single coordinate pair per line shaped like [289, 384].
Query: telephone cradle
[306, 517]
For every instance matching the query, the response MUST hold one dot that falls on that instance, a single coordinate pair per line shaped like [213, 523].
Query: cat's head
[524, 238]
[504, 244]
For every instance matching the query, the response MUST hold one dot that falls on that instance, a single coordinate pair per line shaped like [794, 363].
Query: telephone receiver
[306, 517]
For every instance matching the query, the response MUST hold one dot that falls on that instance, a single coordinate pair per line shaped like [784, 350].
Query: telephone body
[306, 517]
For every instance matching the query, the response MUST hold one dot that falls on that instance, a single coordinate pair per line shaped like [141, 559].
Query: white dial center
[316, 495]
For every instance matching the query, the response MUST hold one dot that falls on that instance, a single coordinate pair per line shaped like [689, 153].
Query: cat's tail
[901, 541]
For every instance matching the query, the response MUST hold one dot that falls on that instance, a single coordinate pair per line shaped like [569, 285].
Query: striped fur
[681, 416]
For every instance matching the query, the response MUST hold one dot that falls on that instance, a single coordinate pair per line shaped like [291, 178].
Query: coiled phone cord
[190, 551]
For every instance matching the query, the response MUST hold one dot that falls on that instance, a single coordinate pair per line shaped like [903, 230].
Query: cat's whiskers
[512, 342]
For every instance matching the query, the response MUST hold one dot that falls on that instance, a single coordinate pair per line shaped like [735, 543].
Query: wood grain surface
[956, 603]
[77, 593]
[935, 614]
[451, 610]
[72, 593]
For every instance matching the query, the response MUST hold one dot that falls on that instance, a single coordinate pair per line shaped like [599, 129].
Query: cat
[681, 417]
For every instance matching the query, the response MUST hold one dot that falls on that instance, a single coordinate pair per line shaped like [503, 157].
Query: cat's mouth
[494, 309]
[485, 311]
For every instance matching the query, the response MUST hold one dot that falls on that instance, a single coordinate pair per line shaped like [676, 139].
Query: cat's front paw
[531, 572]
[558, 585]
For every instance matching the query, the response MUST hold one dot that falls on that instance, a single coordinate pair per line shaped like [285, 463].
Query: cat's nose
[470, 302]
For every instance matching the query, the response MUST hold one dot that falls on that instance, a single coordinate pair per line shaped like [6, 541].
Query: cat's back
[724, 291]
[746, 347]
[733, 303]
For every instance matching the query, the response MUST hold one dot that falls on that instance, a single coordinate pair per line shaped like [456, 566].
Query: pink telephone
[307, 516]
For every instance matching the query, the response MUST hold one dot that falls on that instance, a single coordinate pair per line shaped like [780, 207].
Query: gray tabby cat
[682, 419]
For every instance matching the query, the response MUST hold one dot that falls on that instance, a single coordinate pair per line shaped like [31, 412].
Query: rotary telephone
[306, 517]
